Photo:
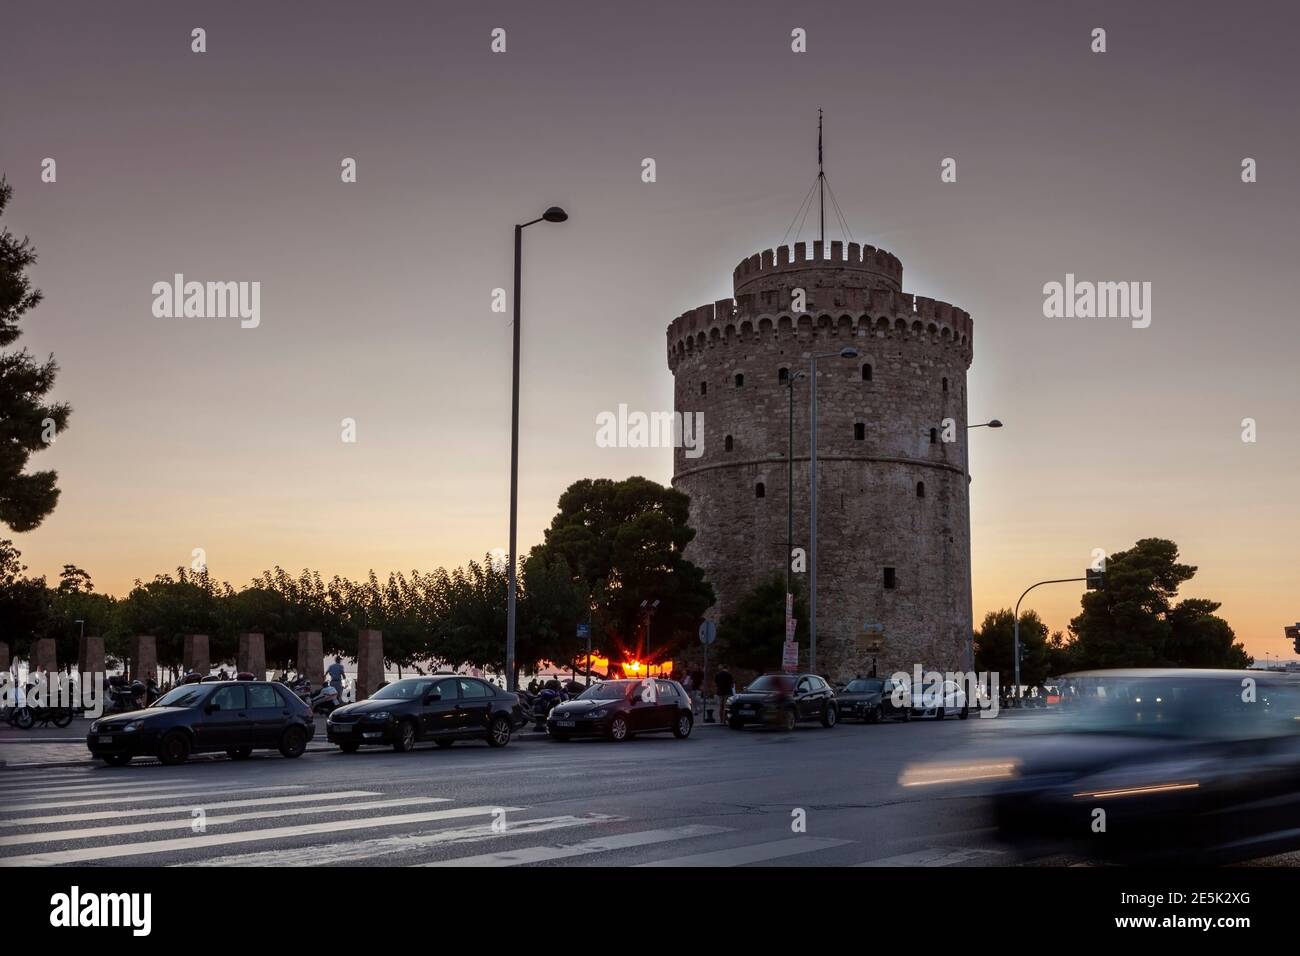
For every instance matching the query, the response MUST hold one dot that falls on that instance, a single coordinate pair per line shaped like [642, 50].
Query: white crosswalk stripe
[937, 856]
[155, 811]
[329, 828]
[153, 795]
[563, 851]
[753, 853]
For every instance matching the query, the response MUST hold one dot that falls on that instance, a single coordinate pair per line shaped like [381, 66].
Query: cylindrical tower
[893, 500]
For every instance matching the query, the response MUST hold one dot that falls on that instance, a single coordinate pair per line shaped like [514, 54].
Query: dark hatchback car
[871, 700]
[237, 717]
[782, 700]
[443, 708]
[619, 709]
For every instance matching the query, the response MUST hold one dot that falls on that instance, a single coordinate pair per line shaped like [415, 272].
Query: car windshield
[187, 695]
[773, 682]
[609, 690]
[1174, 706]
[864, 686]
[413, 688]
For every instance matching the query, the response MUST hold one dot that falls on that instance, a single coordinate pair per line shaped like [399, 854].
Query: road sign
[789, 628]
[1293, 633]
[584, 631]
[1096, 579]
[708, 633]
[790, 656]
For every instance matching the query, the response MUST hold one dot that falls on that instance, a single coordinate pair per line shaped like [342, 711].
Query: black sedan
[619, 709]
[235, 717]
[443, 708]
[871, 700]
[782, 700]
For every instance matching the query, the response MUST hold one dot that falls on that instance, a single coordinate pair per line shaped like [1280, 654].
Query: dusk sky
[376, 295]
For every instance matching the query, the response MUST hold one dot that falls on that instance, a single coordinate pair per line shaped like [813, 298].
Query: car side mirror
[432, 696]
[211, 708]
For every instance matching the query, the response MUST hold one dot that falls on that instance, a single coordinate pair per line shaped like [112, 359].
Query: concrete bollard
[194, 654]
[43, 656]
[144, 657]
[252, 655]
[311, 657]
[90, 655]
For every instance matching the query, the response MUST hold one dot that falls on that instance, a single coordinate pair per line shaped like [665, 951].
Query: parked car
[237, 718]
[939, 700]
[872, 699]
[619, 709]
[783, 700]
[443, 708]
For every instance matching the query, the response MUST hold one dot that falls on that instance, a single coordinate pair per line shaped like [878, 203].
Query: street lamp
[970, 599]
[648, 608]
[848, 352]
[553, 214]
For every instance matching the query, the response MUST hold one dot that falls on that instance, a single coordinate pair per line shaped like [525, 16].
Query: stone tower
[893, 527]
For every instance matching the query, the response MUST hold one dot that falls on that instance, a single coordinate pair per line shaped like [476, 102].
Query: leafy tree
[623, 543]
[171, 607]
[27, 421]
[751, 637]
[24, 603]
[995, 641]
[1133, 622]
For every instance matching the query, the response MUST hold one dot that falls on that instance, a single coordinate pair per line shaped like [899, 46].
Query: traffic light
[1294, 634]
[1096, 579]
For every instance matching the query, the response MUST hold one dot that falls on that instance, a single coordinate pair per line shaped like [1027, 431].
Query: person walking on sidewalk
[723, 681]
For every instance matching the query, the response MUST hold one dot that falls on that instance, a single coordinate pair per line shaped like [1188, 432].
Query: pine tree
[27, 422]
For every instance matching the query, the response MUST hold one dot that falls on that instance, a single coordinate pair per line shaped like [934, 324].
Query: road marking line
[60, 791]
[360, 850]
[560, 851]
[327, 828]
[158, 795]
[149, 811]
[90, 833]
[754, 853]
[933, 856]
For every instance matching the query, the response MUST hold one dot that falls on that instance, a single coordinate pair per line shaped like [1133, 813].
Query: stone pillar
[43, 656]
[194, 654]
[311, 657]
[144, 657]
[370, 663]
[252, 655]
[4, 656]
[90, 656]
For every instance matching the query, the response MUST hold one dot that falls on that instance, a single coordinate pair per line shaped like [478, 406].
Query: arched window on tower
[704, 388]
[859, 431]
[740, 379]
[760, 490]
[782, 375]
[727, 443]
[934, 436]
[945, 384]
[920, 489]
[866, 373]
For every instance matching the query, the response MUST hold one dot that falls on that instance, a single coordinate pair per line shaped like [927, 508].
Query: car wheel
[682, 729]
[63, 718]
[24, 719]
[499, 732]
[938, 712]
[239, 753]
[444, 742]
[829, 716]
[618, 729]
[789, 719]
[405, 741]
[907, 714]
[293, 742]
[174, 748]
[116, 760]
[876, 716]
[349, 748]
[736, 724]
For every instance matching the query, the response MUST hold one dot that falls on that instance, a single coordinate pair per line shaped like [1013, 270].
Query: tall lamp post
[792, 377]
[553, 214]
[848, 352]
[965, 467]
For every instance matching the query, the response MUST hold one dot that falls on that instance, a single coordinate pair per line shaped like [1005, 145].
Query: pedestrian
[335, 675]
[725, 684]
[688, 684]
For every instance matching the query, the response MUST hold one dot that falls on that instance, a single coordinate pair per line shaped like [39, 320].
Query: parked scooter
[324, 700]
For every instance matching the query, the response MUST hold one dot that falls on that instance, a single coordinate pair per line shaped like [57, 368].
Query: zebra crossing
[91, 817]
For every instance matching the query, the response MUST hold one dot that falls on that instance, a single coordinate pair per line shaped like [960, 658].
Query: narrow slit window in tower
[891, 580]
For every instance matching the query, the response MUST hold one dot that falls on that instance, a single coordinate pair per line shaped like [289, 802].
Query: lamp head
[995, 424]
[848, 352]
[555, 214]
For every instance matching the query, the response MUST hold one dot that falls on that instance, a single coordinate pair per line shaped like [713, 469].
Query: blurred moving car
[1178, 760]
[204, 718]
[783, 700]
[871, 700]
[620, 709]
[939, 700]
[443, 708]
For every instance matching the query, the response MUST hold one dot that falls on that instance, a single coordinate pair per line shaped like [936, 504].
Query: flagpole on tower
[821, 180]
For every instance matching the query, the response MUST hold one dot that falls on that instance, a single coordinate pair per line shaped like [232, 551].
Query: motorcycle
[324, 700]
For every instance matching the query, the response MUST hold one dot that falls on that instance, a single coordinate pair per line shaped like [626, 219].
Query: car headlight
[94, 726]
[598, 712]
[133, 726]
[381, 716]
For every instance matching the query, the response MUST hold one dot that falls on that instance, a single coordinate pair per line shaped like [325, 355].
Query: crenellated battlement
[848, 265]
[869, 311]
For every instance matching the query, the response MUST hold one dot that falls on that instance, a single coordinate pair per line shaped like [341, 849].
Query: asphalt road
[720, 798]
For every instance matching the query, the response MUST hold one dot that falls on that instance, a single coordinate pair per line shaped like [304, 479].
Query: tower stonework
[892, 492]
